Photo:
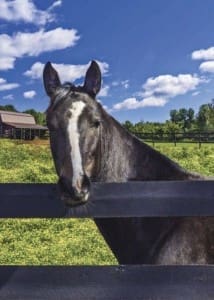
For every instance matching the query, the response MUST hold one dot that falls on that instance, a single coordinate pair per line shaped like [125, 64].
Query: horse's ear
[51, 79]
[92, 82]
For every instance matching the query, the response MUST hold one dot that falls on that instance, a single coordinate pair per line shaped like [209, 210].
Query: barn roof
[19, 120]
[16, 117]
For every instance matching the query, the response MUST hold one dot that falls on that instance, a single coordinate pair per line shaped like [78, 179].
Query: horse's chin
[72, 202]
[69, 197]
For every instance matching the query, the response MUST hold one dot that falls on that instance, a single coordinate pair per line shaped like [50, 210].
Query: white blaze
[76, 110]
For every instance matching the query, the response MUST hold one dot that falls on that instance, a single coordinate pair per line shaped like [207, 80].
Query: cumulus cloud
[207, 66]
[5, 86]
[66, 72]
[203, 54]
[26, 11]
[157, 91]
[32, 44]
[6, 63]
[207, 55]
[29, 94]
[169, 85]
[133, 103]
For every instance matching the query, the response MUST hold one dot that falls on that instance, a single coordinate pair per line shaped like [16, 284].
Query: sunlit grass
[190, 156]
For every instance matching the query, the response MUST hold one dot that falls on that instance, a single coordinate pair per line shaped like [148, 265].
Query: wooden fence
[134, 199]
[199, 137]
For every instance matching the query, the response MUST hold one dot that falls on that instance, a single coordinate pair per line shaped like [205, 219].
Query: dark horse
[87, 143]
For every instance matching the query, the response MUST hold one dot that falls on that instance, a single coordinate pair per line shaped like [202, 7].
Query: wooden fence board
[109, 282]
[130, 199]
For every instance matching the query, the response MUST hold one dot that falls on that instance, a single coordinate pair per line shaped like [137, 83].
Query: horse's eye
[96, 123]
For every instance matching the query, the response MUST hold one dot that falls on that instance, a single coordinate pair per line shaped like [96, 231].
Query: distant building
[19, 126]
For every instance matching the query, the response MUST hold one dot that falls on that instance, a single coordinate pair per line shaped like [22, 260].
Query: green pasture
[70, 241]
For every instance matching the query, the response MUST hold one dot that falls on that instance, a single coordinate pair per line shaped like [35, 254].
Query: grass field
[190, 156]
[66, 242]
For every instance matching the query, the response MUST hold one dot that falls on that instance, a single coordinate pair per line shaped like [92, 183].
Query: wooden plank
[30, 200]
[109, 283]
[131, 199]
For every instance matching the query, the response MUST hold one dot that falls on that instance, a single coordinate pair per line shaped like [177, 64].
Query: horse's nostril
[74, 195]
[82, 194]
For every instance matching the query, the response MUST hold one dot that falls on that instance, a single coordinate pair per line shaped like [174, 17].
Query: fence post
[199, 139]
[153, 141]
[175, 142]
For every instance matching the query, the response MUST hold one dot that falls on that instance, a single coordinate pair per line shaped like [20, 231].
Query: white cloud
[6, 63]
[104, 91]
[5, 86]
[169, 85]
[8, 97]
[207, 66]
[2, 80]
[35, 71]
[32, 44]
[157, 91]
[26, 11]
[133, 103]
[66, 72]
[207, 55]
[123, 83]
[55, 4]
[29, 94]
[195, 93]
[154, 101]
[204, 54]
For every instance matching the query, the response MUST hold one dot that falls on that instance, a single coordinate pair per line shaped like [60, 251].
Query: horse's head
[73, 119]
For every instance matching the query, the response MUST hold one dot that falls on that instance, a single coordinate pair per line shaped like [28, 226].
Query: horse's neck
[123, 157]
[115, 152]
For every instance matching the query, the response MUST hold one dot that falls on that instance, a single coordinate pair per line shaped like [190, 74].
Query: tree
[128, 125]
[8, 107]
[205, 116]
[190, 120]
[174, 116]
[171, 127]
[191, 114]
[38, 116]
[184, 117]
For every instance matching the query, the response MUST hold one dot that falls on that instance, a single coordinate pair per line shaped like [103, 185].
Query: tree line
[181, 120]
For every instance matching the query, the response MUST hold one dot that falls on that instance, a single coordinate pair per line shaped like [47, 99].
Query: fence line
[177, 137]
[157, 198]
[153, 137]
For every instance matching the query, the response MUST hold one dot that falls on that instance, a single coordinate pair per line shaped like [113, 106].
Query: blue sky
[154, 55]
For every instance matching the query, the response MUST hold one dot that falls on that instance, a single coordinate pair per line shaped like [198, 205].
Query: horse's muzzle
[71, 196]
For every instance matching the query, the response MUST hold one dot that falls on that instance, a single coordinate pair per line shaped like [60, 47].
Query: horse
[87, 145]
